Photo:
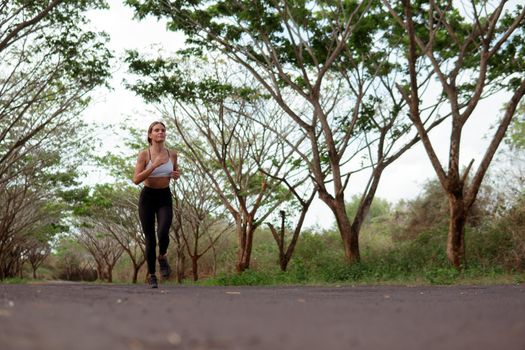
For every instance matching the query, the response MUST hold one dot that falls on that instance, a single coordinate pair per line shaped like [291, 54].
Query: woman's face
[158, 133]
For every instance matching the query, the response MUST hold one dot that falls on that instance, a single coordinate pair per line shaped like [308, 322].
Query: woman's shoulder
[143, 153]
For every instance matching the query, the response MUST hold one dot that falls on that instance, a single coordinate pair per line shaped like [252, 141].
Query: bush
[502, 242]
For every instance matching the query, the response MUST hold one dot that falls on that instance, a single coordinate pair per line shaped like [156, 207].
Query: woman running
[156, 166]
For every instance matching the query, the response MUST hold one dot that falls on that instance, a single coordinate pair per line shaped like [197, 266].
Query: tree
[36, 252]
[122, 222]
[220, 149]
[107, 218]
[331, 58]
[474, 51]
[73, 262]
[33, 208]
[198, 216]
[208, 109]
[49, 65]
[104, 249]
[290, 152]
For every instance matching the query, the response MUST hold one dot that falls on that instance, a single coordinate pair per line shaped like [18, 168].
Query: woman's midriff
[157, 182]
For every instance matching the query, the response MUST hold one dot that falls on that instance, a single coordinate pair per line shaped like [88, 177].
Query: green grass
[16, 280]
[493, 257]
[366, 274]
[422, 261]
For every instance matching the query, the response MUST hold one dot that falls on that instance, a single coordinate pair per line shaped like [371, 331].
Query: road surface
[78, 316]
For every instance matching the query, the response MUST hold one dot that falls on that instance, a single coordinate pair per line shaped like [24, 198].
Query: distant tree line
[48, 66]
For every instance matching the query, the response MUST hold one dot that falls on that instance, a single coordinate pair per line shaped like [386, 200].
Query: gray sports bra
[162, 171]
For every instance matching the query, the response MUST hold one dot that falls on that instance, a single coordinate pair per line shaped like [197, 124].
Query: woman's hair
[151, 128]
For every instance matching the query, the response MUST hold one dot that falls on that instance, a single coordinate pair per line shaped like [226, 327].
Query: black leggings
[155, 202]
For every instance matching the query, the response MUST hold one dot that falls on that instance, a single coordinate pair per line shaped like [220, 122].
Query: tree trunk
[181, 262]
[350, 237]
[283, 263]
[136, 269]
[456, 231]
[244, 252]
[286, 256]
[100, 272]
[214, 260]
[279, 239]
[195, 267]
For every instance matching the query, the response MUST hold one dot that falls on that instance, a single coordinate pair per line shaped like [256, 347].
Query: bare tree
[122, 222]
[104, 249]
[199, 216]
[290, 152]
[73, 262]
[247, 194]
[29, 211]
[481, 56]
[113, 211]
[37, 252]
[180, 249]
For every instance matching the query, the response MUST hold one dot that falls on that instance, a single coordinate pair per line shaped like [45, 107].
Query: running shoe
[152, 281]
[165, 269]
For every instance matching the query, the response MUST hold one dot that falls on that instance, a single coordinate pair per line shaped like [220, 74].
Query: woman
[156, 166]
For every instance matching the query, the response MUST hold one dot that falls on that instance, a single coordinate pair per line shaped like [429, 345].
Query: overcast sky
[402, 180]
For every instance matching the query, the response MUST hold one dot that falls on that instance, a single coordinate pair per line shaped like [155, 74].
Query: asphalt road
[103, 317]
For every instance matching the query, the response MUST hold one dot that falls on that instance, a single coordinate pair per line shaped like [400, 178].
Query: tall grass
[319, 260]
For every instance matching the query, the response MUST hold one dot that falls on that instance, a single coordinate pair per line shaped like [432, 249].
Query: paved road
[88, 316]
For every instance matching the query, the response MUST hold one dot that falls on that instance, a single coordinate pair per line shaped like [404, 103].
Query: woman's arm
[141, 173]
[175, 174]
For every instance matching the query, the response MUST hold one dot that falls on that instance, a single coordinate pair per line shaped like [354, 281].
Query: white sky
[402, 180]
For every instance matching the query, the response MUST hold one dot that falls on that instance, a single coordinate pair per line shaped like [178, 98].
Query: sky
[404, 179]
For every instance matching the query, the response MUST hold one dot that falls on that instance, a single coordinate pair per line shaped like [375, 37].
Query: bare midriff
[157, 182]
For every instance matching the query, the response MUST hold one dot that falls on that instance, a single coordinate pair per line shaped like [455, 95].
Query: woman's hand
[158, 161]
[175, 174]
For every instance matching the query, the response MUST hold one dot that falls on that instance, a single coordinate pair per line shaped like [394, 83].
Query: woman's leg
[147, 220]
[164, 218]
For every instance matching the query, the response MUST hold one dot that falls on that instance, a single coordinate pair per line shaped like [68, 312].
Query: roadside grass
[260, 278]
[16, 280]
[493, 257]
[345, 276]
[421, 261]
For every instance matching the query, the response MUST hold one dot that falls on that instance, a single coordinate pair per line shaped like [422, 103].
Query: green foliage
[495, 252]
[15, 280]
[245, 26]
[501, 242]
[505, 67]
[72, 262]
[421, 261]
[161, 78]
[516, 134]
[50, 63]
[380, 208]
